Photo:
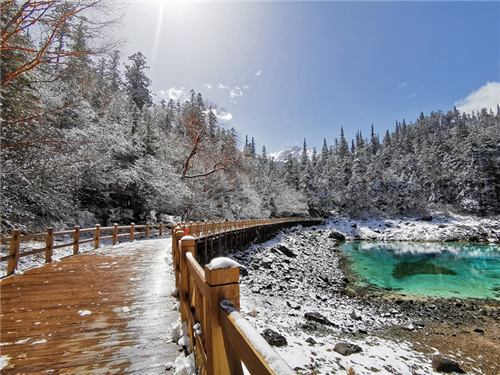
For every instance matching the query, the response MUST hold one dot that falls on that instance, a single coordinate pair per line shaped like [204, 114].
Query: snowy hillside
[293, 150]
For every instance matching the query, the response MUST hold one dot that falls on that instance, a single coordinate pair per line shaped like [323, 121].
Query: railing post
[147, 230]
[76, 240]
[179, 233]
[115, 233]
[223, 285]
[160, 231]
[97, 234]
[132, 228]
[187, 245]
[15, 244]
[49, 244]
[174, 241]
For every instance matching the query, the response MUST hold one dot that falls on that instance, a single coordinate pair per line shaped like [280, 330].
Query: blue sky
[285, 71]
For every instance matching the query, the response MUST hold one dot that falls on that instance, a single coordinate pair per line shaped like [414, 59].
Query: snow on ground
[436, 227]
[297, 274]
[277, 294]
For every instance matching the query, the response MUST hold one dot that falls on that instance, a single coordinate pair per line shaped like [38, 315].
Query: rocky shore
[296, 287]
[436, 228]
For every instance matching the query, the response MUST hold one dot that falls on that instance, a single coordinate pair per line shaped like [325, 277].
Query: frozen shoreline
[437, 227]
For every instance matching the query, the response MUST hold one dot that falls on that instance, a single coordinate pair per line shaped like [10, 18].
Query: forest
[83, 142]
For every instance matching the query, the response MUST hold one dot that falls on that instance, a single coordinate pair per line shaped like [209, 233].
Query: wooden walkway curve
[106, 311]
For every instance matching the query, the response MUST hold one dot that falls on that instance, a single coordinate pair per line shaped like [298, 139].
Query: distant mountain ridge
[295, 150]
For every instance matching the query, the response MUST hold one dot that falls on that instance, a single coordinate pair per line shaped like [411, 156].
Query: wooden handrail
[248, 345]
[17, 238]
[210, 298]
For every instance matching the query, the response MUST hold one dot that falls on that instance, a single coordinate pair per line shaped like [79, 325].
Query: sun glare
[158, 31]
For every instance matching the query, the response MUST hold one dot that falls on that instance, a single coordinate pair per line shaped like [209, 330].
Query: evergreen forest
[84, 142]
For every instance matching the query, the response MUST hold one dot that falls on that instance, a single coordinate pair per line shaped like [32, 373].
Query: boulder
[355, 316]
[336, 236]
[266, 263]
[311, 341]
[273, 338]
[426, 218]
[289, 253]
[346, 348]
[296, 307]
[442, 364]
[243, 271]
[318, 318]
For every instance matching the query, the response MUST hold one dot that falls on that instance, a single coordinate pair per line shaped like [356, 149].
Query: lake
[427, 269]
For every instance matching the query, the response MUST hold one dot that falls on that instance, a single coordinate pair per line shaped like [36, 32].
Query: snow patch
[20, 342]
[84, 312]
[179, 334]
[4, 361]
[43, 341]
[185, 365]
[222, 263]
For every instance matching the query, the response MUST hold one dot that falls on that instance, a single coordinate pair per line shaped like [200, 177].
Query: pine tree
[137, 86]
[374, 142]
[113, 72]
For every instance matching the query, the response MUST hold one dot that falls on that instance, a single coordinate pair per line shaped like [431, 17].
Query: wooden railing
[96, 235]
[217, 238]
[210, 297]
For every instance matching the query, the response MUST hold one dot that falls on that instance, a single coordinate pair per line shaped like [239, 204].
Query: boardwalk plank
[100, 312]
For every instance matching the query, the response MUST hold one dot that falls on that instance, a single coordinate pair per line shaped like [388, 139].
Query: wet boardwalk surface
[103, 312]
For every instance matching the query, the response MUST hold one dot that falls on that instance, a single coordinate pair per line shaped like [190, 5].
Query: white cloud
[224, 116]
[207, 85]
[402, 85]
[172, 93]
[236, 92]
[233, 101]
[221, 86]
[487, 96]
[247, 87]
[258, 73]
[412, 95]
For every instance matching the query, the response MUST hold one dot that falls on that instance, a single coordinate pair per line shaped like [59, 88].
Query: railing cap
[222, 263]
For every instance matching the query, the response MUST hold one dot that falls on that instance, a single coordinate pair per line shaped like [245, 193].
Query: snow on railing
[16, 238]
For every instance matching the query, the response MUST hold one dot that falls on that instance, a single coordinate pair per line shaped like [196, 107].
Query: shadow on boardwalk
[106, 311]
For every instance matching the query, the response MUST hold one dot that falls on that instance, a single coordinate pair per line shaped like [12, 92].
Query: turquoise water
[427, 269]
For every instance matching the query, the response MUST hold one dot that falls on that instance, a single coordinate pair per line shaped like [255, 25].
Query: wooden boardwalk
[107, 311]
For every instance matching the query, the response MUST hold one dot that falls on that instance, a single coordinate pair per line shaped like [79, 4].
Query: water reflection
[431, 269]
[420, 267]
